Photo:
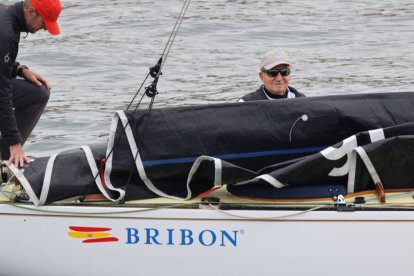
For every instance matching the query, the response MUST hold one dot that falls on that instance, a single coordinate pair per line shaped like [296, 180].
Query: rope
[159, 208]
[405, 206]
[267, 218]
[93, 213]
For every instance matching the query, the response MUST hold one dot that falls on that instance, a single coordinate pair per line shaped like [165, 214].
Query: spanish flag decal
[92, 234]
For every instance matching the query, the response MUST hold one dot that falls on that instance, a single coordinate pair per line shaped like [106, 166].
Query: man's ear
[32, 11]
[261, 75]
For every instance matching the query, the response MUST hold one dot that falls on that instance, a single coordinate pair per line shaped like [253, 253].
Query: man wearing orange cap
[22, 101]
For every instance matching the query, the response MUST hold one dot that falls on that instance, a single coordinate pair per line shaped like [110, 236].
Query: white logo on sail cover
[348, 145]
[6, 58]
[332, 153]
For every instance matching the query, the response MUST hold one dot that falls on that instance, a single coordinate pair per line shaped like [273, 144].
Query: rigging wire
[154, 72]
[182, 13]
[136, 94]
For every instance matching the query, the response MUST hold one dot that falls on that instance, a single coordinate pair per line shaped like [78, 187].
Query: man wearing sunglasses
[275, 74]
[22, 101]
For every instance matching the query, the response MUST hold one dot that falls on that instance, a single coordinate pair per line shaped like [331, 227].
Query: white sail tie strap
[25, 183]
[218, 167]
[135, 153]
[368, 164]
[352, 169]
[271, 180]
[376, 134]
[138, 162]
[109, 154]
[95, 171]
[47, 179]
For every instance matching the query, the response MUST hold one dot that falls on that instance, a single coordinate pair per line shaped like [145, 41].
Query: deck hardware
[341, 205]
[359, 200]
[151, 90]
[207, 202]
[155, 70]
[380, 192]
[339, 200]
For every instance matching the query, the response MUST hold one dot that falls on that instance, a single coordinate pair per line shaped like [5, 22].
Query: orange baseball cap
[49, 10]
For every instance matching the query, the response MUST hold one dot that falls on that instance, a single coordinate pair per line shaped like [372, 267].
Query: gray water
[106, 47]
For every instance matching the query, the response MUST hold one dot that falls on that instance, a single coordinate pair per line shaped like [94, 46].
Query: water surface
[106, 47]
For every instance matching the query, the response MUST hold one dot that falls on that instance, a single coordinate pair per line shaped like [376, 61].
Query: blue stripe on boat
[234, 156]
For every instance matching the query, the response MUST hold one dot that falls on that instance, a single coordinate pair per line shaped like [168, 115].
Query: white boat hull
[191, 242]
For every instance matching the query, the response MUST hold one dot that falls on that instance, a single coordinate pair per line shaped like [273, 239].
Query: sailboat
[185, 187]
[313, 185]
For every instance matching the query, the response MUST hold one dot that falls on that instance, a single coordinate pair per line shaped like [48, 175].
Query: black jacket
[12, 23]
[259, 95]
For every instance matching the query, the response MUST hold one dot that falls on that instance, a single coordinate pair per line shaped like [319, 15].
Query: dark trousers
[29, 101]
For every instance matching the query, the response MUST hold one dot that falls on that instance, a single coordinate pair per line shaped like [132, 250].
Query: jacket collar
[19, 22]
[270, 96]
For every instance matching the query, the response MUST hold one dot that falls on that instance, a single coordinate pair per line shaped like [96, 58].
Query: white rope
[267, 218]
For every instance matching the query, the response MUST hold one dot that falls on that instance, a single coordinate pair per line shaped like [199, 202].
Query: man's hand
[35, 78]
[17, 156]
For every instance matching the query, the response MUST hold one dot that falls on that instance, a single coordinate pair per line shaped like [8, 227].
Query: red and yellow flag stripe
[92, 234]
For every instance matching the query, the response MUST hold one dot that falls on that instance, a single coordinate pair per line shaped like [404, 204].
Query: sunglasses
[274, 72]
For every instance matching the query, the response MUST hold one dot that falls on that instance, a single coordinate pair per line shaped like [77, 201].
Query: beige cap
[273, 58]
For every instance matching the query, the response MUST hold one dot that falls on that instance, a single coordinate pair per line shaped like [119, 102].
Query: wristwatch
[20, 70]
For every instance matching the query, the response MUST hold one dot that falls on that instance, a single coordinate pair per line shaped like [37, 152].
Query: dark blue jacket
[12, 23]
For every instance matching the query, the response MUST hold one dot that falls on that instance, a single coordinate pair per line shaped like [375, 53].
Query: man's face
[34, 21]
[276, 84]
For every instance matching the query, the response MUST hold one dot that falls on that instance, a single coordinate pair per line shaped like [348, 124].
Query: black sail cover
[263, 149]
